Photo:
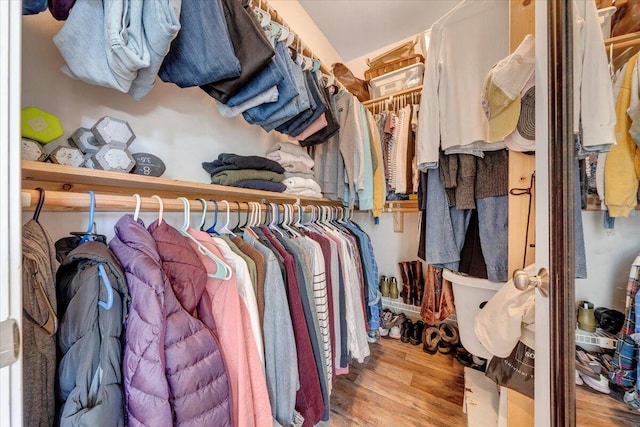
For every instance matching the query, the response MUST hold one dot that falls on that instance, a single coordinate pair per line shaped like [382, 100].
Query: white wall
[609, 258]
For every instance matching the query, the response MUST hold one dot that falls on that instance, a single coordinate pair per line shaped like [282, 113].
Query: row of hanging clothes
[396, 120]
[193, 326]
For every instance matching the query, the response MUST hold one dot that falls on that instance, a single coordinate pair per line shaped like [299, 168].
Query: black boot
[407, 331]
[416, 335]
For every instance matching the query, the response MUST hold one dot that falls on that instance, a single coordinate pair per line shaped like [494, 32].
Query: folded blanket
[258, 184]
[303, 192]
[230, 177]
[299, 175]
[297, 182]
[227, 161]
[292, 157]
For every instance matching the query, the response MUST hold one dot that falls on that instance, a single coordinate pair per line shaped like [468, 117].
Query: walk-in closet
[319, 213]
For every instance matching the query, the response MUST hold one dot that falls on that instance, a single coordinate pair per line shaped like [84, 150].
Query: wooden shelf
[401, 206]
[53, 177]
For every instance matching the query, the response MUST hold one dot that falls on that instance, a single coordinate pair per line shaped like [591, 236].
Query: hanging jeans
[202, 52]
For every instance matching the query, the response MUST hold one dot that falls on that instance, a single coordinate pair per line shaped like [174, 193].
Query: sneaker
[394, 332]
[632, 399]
[373, 336]
[383, 332]
[578, 378]
[601, 385]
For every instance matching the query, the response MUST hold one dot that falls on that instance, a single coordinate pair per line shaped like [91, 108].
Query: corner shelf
[59, 178]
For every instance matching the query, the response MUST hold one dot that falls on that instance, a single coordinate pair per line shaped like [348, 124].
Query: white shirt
[464, 45]
[592, 88]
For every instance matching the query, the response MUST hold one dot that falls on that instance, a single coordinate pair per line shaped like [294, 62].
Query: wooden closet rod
[65, 201]
[402, 93]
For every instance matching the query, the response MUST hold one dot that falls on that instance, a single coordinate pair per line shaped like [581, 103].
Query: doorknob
[522, 281]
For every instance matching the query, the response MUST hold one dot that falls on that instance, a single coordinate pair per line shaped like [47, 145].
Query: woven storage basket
[388, 67]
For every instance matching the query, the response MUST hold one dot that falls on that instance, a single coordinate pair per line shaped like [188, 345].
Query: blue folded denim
[298, 126]
[32, 7]
[161, 22]
[269, 77]
[300, 102]
[301, 117]
[271, 95]
[286, 93]
[103, 43]
[202, 52]
[251, 46]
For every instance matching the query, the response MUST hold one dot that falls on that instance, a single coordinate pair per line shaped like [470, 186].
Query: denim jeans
[297, 104]
[318, 107]
[270, 95]
[202, 52]
[580, 255]
[161, 22]
[83, 48]
[33, 7]
[304, 116]
[493, 221]
[251, 46]
[287, 91]
[445, 227]
[268, 78]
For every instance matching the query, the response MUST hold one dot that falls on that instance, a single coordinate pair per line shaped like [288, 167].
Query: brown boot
[406, 287]
[418, 278]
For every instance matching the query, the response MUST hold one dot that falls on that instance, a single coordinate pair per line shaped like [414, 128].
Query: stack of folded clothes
[298, 167]
[255, 172]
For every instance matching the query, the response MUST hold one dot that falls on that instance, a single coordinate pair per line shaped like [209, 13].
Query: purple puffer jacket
[173, 370]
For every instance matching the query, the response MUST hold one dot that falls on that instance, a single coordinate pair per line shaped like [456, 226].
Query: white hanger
[274, 219]
[223, 271]
[225, 228]
[161, 210]
[136, 213]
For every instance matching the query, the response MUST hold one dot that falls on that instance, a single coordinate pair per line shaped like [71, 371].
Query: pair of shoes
[601, 384]
[406, 330]
[416, 334]
[384, 286]
[385, 318]
[586, 365]
[450, 338]
[394, 333]
[373, 336]
[632, 399]
[431, 338]
[578, 378]
[383, 332]
[443, 339]
[407, 288]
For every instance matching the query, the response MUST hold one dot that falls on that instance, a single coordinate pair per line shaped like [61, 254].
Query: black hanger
[36, 213]
[238, 228]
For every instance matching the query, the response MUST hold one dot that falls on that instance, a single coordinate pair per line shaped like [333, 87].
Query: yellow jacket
[622, 168]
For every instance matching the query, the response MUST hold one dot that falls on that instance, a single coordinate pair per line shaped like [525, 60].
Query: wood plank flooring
[400, 385]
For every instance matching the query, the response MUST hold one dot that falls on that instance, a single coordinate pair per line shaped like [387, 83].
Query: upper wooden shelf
[53, 177]
[402, 206]
[417, 89]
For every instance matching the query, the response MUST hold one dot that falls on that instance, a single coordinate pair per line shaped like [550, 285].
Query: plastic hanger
[136, 212]
[204, 213]
[225, 227]
[316, 65]
[274, 218]
[239, 228]
[223, 271]
[102, 274]
[36, 213]
[160, 209]
[212, 229]
[90, 234]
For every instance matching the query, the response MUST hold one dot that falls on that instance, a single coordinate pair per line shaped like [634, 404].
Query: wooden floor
[595, 409]
[400, 385]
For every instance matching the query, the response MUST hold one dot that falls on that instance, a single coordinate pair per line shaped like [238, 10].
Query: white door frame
[542, 403]
[10, 206]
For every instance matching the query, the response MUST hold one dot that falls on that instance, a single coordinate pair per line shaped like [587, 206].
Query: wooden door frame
[561, 214]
